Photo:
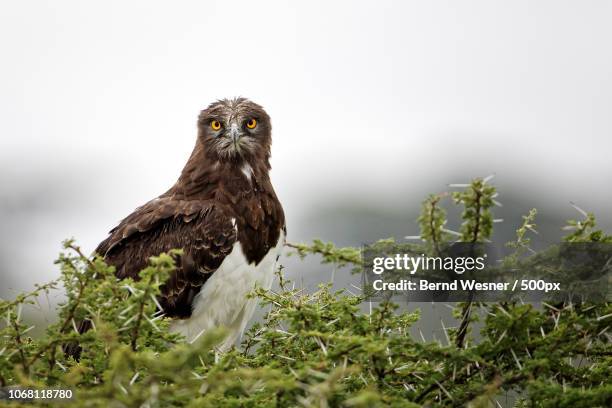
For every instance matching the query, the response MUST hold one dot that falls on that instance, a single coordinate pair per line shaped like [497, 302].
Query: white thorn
[451, 232]
[134, 378]
[418, 237]
[488, 178]
[580, 210]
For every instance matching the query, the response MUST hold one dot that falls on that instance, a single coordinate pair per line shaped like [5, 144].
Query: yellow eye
[215, 125]
[252, 123]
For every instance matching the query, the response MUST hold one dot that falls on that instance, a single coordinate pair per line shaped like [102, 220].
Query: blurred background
[374, 105]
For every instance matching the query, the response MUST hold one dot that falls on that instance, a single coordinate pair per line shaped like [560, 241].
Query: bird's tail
[74, 349]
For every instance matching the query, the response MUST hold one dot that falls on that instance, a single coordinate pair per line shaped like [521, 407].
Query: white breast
[222, 301]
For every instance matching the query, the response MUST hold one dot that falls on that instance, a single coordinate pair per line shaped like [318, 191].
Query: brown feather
[196, 213]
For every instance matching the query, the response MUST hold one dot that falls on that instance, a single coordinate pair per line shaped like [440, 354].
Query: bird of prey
[225, 216]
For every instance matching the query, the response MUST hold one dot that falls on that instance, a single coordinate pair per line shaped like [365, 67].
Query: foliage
[314, 349]
[330, 254]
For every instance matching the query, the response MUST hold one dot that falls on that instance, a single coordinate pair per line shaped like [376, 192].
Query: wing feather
[203, 229]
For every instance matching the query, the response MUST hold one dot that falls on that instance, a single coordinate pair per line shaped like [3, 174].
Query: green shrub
[314, 349]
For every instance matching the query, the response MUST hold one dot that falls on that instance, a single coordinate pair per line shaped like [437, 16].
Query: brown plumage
[222, 198]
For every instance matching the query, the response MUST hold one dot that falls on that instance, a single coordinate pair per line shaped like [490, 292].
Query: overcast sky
[370, 101]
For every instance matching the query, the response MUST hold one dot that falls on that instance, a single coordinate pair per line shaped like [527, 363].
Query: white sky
[98, 100]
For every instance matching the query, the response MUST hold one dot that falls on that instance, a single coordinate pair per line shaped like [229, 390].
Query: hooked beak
[235, 134]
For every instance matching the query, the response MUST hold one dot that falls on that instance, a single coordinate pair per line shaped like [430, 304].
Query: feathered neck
[202, 174]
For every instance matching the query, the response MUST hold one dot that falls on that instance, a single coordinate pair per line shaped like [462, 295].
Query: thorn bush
[314, 349]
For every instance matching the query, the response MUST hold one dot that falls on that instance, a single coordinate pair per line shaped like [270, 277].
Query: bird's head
[235, 130]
